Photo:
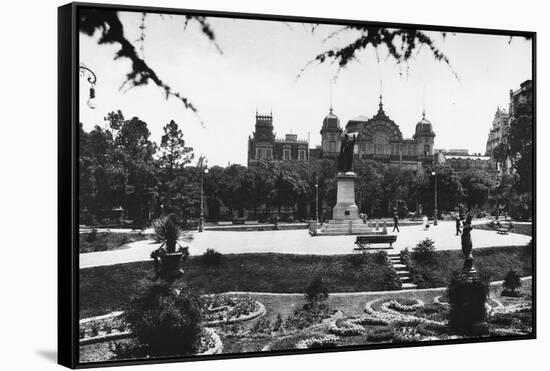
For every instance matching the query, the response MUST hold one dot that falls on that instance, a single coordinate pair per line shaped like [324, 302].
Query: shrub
[164, 322]
[307, 316]
[467, 298]
[381, 257]
[316, 291]
[211, 257]
[92, 236]
[391, 281]
[358, 259]
[512, 282]
[424, 250]
[262, 326]
[278, 324]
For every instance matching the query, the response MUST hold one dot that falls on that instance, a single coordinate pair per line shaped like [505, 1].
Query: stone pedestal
[345, 208]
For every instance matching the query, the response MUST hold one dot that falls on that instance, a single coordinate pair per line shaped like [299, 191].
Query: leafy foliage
[424, 250]
[211, 257]
[512, 282]
[164, 322]
[316, 291]
[476, 185]
[111, 31]
[400, 44]
[167, 231]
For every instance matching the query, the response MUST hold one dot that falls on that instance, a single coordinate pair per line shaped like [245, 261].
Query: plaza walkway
[300, 242]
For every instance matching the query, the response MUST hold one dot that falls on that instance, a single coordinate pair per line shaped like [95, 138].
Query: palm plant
[167, 231]
[166, 258]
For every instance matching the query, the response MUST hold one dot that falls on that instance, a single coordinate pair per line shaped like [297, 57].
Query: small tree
[316, 291]
[424, 250]
[166, 258]
[165, 323]
[512, 282]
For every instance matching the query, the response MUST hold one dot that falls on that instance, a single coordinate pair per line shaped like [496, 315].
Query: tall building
[264, 146]
[499, 131]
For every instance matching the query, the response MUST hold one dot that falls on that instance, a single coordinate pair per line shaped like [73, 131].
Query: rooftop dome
[424, 126]
[331, 121]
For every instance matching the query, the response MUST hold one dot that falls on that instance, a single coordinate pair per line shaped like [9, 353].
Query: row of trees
[121, 167]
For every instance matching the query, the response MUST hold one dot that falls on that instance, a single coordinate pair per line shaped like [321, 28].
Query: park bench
[504, 228]
[366, 241]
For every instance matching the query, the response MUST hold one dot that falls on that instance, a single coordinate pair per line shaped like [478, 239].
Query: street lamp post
[316, 200]
[434, 173]
[202, 165]
[92, 79]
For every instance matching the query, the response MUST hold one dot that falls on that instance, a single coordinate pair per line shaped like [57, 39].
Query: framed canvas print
[235, 185]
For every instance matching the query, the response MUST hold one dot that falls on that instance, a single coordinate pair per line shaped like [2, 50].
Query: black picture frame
[68, 147]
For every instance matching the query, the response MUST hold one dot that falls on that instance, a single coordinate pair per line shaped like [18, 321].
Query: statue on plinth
[345, 158]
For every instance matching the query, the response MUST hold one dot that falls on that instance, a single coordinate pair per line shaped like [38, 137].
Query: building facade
[499, 131]
[460, 160]
[264, 146]
[379, 138]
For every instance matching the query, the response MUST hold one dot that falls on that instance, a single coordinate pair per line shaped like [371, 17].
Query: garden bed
[107, 288]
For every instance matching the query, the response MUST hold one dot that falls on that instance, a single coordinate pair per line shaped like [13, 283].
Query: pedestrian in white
[425, 222]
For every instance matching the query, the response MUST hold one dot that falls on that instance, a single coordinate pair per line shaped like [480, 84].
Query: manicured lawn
[108, 288]
[105, 241]
[493, 262]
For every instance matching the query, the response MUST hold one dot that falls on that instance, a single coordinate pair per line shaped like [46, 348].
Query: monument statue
[345, 158]
[466, 240]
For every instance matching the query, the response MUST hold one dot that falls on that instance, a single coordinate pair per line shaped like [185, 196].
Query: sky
[257, 70]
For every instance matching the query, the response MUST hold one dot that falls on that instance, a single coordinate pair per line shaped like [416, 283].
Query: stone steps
[402, 272]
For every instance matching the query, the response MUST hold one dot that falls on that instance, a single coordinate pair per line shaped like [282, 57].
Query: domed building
[330, 135]
[379, 138]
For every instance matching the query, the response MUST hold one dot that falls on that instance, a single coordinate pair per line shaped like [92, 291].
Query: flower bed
[398, 306]
[327, 341]
[220, 309]
[345, 328]
[210, 343]
[393, 316]
[509, 309]
[102, 328]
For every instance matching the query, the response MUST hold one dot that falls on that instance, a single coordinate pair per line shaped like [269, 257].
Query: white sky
[258, 70]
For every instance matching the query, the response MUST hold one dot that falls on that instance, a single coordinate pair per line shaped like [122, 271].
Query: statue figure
[466, 240]
[345, 158]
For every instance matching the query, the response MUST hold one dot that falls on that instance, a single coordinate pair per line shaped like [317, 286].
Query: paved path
[299, 242]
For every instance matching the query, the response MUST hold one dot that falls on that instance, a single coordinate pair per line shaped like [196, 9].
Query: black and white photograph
[248, 184]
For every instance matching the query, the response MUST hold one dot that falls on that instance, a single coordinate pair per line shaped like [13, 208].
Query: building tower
[330, 135]
[424, 136]
[261, 143]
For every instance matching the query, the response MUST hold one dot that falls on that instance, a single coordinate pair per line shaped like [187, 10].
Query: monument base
[345, 208]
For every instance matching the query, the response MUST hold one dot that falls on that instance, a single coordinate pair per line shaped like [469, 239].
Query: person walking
[395, 222]
[425, 222]
[458, 220]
